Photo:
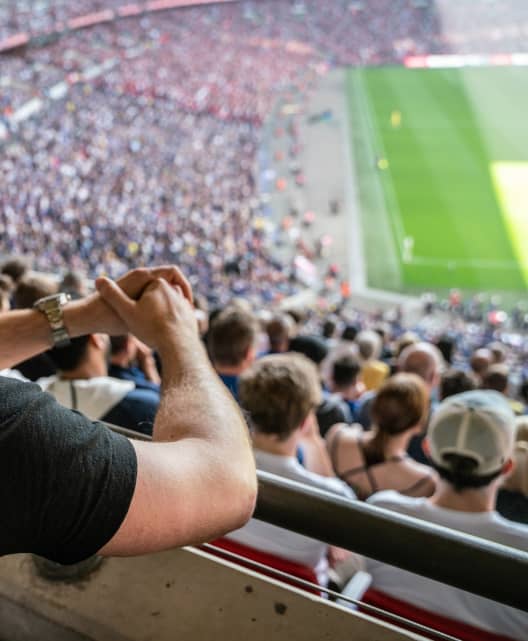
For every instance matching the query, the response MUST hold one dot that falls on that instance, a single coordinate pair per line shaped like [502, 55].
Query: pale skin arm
[25, 333]
[197, 481]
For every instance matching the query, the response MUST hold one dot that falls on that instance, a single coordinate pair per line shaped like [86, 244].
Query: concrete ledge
[179, 594]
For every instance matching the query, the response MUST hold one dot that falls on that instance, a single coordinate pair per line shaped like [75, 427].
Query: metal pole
[482, 567]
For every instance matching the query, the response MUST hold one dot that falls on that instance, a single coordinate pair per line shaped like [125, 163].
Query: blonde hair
[278, 393]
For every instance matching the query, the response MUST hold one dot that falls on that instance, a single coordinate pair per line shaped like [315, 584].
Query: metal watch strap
[51, 307]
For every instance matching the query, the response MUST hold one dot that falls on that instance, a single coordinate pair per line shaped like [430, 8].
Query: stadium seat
[278, 563]
[457, 629]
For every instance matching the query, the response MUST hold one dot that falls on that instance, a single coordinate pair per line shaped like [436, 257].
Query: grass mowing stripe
[511, 184]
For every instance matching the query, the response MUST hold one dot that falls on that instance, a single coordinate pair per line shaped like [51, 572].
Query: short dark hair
[15, 267]
[461, 473]
[278, 330]
[71, 356]
[345, 370]
[118, 344]
[350, 332]
[313, 347]
[231, 334]
[72, 282]
[496, 378]
[446, 344]
[455, 381]
[329, 327]
[31, 288]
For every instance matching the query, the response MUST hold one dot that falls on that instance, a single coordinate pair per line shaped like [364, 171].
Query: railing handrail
[480, 566]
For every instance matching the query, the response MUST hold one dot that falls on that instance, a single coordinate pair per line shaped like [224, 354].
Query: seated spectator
[350, 332]
[73, 283]
[331, 409]
[455, 381]
[499, 353]
[279, 393]
[373, 371]
[424, 360]
[279, 330]
[378, 460]
[329, 328]
[28, 290]
[83, 384]
[31, 288]
[497, 378]
[447, 344]
[231, 340]
[16, 268]
[345, 382]
[471, 440]
[512, 502]
[132, 360]
[479, 362]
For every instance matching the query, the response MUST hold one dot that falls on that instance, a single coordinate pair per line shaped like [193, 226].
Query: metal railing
[458, 559]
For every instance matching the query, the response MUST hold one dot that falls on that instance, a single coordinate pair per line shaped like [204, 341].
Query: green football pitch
[442, 164]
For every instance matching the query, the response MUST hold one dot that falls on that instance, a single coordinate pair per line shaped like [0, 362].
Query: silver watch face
[59, 300]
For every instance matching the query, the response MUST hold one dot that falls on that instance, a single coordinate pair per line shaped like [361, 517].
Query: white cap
[479, 425]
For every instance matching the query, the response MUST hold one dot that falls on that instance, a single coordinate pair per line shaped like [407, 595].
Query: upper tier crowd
[116, 153]
[373, 30]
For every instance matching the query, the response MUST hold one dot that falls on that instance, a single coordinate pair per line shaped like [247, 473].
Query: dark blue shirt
[136, 411]
[231, 382]
[133, 374]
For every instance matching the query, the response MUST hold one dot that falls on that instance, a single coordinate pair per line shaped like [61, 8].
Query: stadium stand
[128, 139]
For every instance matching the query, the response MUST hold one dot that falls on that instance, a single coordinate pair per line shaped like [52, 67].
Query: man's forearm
[194, 400]
[26, 332]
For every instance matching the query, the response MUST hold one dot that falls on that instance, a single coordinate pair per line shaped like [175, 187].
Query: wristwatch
[51, 307]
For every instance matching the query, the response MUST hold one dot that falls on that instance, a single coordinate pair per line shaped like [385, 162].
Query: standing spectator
[72, 488]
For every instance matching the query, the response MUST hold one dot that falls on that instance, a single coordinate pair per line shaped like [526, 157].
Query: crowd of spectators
[119, 176]
[154, 161]
[317, 415]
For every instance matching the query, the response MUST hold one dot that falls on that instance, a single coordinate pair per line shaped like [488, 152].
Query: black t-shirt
[65, 483]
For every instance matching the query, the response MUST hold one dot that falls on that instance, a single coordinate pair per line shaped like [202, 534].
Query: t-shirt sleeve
[66, 482]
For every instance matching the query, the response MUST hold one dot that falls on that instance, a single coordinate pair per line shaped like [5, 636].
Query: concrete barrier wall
[180, 594]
